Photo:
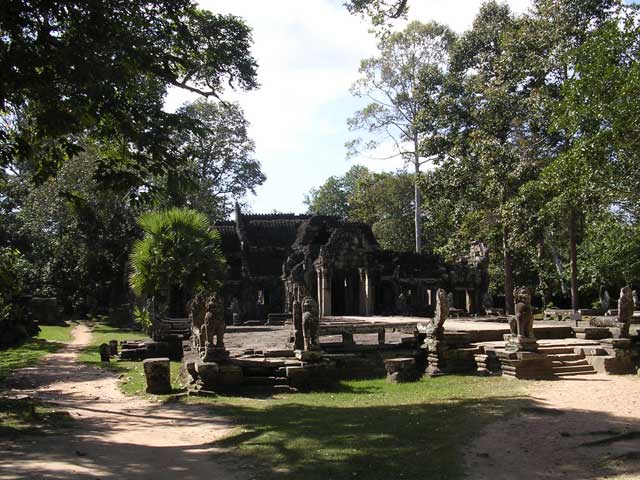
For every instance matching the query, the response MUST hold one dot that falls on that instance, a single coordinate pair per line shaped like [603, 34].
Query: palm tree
[179, 254]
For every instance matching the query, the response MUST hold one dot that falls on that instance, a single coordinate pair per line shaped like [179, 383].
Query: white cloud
[308, 54]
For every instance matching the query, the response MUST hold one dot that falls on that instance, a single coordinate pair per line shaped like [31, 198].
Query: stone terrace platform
[367, 331]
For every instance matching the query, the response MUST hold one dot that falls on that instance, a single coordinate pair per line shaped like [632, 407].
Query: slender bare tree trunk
[418, 205]
[508, 273]
[574, 259]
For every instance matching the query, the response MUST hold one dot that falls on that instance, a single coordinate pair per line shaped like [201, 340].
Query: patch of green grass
[56, 333]
[30, 417]
[132, 380]
[367, 429]
[49, 340]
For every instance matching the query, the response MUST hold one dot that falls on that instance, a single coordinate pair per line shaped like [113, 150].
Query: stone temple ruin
[310, 300]
[276, 259]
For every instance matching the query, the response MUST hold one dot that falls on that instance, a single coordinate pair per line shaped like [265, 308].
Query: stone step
[573, 369]
[569, 363]
[556, 350]
[571, 374]
[566, 357]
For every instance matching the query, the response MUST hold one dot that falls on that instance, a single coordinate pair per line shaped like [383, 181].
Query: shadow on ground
[292, 441]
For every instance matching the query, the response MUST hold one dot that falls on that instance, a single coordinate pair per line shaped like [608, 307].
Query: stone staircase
[566, 362]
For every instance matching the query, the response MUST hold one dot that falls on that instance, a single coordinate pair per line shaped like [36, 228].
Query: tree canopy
[71, 68]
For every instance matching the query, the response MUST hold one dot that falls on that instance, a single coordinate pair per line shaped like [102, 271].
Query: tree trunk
[557, 261]
[542, 285]
[508, 273]
[418, 206]
[574, 259]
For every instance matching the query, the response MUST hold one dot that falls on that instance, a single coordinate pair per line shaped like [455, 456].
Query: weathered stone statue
[441, 314]
[522, 337]
[450, 300]
[636, 300]
[235, 310]
[214, 322]
[197, 312]
[625, 311]
[402, 304]
[605, 299]
[298, 333]
[310, 323]
[487, 301]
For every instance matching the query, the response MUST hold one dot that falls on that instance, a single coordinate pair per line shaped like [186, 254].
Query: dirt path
[113, 436]
[580, 428]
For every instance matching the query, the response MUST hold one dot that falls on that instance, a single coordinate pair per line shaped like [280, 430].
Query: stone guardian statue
[521, 325]
[625, 311]
[310, 323]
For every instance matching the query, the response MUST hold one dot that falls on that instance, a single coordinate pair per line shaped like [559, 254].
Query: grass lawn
[29, 417]
[49, 340]
[132, 381]
[367, 429]
[364, 429]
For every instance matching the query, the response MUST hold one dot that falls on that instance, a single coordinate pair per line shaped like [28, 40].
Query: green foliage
[76, 235]
[219, 163]
[385, 201]
[335, 196]
[609, 253]
[378, 11]
[142, 319]
[103, 68]
[178, 250]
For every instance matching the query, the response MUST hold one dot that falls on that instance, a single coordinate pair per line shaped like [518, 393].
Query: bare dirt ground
[112, 435]
[579, 428]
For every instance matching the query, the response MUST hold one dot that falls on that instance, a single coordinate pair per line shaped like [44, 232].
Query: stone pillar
[157, 372]
[469, 300]
[320, 298]
[362, 291]
[325, 307]
[369, 294]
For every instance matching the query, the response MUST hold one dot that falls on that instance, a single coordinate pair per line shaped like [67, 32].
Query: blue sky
[308, 54]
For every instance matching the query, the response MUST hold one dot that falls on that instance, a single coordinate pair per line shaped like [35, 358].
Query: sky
[308, 55]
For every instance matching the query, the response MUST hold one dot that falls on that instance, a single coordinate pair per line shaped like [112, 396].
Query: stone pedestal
[215, 354]
[216, 376]
[525, 365]
[105, 352]
[517, 343]
[401, 370]
[314, 355]
[157, 372]
[436, 357]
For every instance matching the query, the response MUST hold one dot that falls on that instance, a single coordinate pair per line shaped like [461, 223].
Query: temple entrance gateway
[345, 298]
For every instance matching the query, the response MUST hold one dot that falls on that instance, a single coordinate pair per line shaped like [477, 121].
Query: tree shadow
[293, 440]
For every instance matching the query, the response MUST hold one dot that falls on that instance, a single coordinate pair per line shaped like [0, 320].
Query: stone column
[469, 300]
[369, 294]
[362, 293]
[320, 297]
[326, 292]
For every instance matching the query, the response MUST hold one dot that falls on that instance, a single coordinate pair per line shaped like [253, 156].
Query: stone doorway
[345, 295]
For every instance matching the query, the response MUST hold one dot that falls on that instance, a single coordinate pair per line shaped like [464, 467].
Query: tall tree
[219, 163]
[497, 142]
[103, 68]
[335, 196]
[561, 27]
[393, 83]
